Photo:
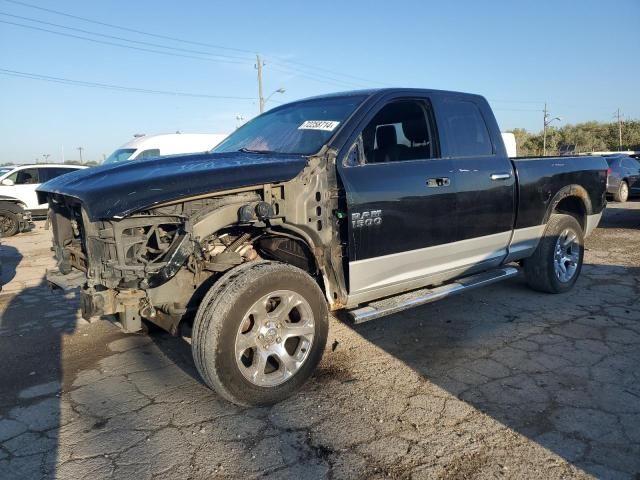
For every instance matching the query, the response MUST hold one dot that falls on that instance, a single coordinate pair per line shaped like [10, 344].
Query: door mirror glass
[7, 182]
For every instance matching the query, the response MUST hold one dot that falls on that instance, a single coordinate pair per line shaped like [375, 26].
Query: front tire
[622, 195]
[260, 332]
[556, 263]
[9, 219]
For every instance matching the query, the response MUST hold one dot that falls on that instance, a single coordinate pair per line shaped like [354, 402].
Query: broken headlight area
[129, 252]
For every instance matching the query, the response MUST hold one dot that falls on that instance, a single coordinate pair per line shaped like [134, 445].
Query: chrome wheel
[566, 255]
[274, 338]
[624, 192]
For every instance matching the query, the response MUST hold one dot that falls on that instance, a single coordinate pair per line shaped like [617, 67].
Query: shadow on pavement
[10, 258]
[618, 217]
[559, 369]
[32, 326]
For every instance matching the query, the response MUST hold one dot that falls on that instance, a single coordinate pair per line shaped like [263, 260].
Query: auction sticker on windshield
[326, 125]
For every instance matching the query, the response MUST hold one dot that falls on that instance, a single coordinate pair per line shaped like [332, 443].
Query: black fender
[569, 191]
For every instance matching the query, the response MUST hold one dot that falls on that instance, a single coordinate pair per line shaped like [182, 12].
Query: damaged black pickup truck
[369, 202]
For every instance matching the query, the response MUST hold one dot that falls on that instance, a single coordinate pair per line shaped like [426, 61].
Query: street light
[547, 120]
[280, 90]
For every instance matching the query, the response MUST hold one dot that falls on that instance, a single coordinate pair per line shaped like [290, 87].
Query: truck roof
[382, 91]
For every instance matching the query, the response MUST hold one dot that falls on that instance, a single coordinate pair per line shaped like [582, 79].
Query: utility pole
[544, 130]
[619, 116]
[546, 121]
[259, 65]
[80, 150]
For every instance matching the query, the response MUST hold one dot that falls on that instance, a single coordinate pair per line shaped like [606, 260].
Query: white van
[146, 146]
[509, 140]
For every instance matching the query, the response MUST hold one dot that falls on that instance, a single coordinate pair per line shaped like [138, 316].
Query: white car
[147, 146]
[18, 200]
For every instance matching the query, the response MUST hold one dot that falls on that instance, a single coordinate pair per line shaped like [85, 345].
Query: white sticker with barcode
[326, 125]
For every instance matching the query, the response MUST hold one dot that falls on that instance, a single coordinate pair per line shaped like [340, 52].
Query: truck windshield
[119, 155]
[298, 128]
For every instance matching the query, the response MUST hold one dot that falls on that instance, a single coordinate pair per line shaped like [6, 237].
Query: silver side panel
[391, 274]
[592, 222]
[524, 242]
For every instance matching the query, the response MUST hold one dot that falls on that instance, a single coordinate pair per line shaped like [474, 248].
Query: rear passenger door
[49, 173]
[632, 167]
[485, 180]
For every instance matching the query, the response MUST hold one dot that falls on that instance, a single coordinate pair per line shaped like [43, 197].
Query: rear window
[468, 130]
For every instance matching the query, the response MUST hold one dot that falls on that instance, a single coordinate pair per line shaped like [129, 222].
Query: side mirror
[7, 182]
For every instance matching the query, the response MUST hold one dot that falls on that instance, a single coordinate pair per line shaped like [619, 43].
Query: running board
[388, 306]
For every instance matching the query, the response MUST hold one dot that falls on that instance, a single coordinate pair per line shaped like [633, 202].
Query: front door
[25, 182]
[401, 201]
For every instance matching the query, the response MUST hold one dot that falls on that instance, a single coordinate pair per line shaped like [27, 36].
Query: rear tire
[260, 332]
[622, 195]
[556, 263]
[9, 219]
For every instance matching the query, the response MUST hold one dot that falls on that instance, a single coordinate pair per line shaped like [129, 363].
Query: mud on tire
[556, 263]
[260, 332]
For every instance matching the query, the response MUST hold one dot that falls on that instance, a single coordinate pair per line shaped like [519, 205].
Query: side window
[467, 128]
[26, 176]
[631, 164]
[401, 130]
[155, 152]
[47, 174]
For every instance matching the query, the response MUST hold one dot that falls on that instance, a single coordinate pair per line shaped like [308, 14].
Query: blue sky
[580, 57]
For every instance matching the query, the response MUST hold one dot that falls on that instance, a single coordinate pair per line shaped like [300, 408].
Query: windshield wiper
[249, 150]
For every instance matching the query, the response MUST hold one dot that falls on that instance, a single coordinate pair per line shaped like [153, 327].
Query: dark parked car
[623, 178]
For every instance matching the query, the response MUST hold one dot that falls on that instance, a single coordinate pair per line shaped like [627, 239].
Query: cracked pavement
[499, 382]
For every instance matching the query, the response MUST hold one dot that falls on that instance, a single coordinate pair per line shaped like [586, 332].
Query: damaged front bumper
[128, 304]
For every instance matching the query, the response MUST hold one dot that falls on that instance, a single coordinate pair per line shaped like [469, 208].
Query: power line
[304, 66]
[199, 52]
[126, 29]
[71, 35]
[107, 86]
[181, 40]
[317, 77]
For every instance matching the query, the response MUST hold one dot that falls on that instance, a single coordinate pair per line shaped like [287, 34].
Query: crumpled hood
[117, 190]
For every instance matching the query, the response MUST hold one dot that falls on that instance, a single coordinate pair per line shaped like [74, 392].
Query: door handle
[500, 176]
[438, 182]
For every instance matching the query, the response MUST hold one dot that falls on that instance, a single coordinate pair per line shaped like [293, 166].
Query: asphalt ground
[502, 382]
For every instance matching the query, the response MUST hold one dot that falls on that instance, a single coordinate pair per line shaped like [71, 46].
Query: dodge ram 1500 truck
[368, 201]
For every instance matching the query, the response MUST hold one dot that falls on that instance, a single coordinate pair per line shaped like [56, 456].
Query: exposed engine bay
[158, 263]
